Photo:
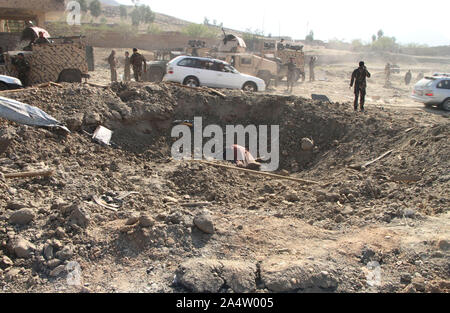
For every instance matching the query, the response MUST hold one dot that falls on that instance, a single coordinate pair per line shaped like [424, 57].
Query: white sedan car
[195, 71]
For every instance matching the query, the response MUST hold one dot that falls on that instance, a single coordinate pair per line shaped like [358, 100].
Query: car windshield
[425, 82]
[229, 68]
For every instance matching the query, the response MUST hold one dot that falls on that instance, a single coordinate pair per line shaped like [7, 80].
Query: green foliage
[123, 12]
[338, 44]
[103, 20]
[153, 29]
[83, 5]
[380, 34]
[200, 31]
[374, 38]
[206, 21]
[385, 44]
[310, 37]
[357, 45]
[414, 45]
[95, 8]
[142, 14]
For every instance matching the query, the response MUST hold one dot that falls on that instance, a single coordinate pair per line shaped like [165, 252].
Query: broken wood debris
[299, 180]
[405, 178]
[102, 203]
[43, 173]
[363, 166]
[97, 85]
[207, 89]
[194, 204]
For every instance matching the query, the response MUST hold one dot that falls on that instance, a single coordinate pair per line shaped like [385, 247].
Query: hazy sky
[407, 20]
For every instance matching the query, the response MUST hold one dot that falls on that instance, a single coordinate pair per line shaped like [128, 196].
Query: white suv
[195, 71]
[434, 90]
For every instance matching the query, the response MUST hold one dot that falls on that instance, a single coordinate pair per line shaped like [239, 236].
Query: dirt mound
[130, 206]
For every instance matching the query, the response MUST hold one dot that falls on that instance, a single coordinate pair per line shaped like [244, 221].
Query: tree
[310, 37]
[123, 12]
[96, 8]
[83, 5]
[142, 15]
[206, 21]
[385, 44]
[200, 31]
[374, 38]
[380, 34]
[357, 45]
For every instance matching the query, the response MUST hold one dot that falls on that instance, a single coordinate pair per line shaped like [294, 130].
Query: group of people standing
[136, 60]
[291, 72]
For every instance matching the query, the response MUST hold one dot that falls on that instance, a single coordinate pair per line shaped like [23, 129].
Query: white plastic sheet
[22, 113]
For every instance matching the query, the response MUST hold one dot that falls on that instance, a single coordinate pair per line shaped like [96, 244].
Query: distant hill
[110, 2]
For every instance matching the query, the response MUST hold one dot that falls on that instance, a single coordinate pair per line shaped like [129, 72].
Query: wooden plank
[360, 167]
[299, 180]
[43, 173]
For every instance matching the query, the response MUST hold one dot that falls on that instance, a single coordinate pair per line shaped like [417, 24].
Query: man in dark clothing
[2, 57]
[290, 75]
[23, 68]
[408, 78]
[136, 61]
[41, 39]
[359, 79]
[387, 72]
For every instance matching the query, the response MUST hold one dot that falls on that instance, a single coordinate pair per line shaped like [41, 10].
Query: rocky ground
[129, 218]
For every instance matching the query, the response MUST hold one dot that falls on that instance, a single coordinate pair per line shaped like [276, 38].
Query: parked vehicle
[65, 59]
[157, 68]
[282, 53]
[9, 83]
[196, 71]
[433, 90]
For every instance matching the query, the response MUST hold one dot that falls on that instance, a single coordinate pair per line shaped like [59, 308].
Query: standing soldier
[359, 78]
[23, 68]
[408, 78]
[290, 75]
[312, 63]
[136, 60]
[127, 71]
[387, 71]
[112, 60]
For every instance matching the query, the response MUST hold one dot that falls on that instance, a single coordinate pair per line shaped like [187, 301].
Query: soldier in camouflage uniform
[23, 68]
[359, 78]
[136, 61]
[127, 69]
[112, 60]
[290, 75]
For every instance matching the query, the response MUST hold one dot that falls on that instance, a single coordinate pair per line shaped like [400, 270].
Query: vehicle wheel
[156, 75]
[70, 76]
[250, 87]
[446, 105]
[191, 81]
[3, 86]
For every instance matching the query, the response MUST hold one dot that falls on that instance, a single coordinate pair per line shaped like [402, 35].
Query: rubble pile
[130, 205]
